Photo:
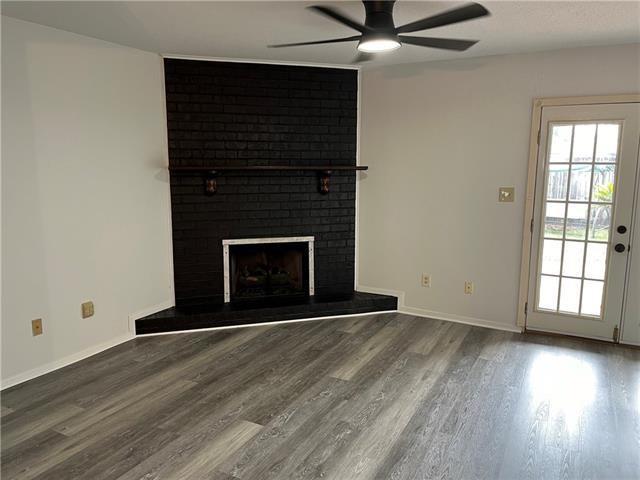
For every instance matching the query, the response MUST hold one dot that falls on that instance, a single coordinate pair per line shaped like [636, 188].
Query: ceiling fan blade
[444, 43]
[461, 14]
[339, 17]
[363, 57]
[317, 42]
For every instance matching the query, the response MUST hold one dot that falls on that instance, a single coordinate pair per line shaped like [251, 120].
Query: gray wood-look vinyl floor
[386, 396]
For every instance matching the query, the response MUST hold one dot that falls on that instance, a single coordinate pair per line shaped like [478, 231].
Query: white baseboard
[449, 317]
[88, 352]
[63, 362]
[629, 343]
[402, 308]
[147, 311]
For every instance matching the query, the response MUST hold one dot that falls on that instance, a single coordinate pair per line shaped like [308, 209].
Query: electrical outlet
[426, 280]
[36, 327]
[87, 309]
[468, 287]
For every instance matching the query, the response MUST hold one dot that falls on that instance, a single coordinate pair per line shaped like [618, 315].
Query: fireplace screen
[268, 270]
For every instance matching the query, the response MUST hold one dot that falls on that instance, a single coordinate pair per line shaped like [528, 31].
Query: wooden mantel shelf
[319, 168]
[211, 172]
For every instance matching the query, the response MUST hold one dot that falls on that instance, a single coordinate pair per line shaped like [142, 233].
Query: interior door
[585, 187]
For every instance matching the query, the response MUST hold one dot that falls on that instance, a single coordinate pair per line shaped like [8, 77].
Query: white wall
[85, 196]
[631, 328]
[440, 138]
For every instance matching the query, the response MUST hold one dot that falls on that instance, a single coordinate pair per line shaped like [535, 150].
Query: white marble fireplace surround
[255, 241]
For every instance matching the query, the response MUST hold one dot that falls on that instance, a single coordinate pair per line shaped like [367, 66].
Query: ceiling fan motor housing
[379, 19]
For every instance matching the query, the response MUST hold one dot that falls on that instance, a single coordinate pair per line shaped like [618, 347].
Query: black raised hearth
[242, 313]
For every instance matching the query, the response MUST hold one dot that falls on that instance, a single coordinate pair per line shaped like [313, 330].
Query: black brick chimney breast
[242, 114]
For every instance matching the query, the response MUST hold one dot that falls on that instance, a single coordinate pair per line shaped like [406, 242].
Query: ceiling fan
[379, 33]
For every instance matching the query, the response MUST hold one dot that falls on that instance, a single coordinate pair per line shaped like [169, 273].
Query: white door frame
[527, 228]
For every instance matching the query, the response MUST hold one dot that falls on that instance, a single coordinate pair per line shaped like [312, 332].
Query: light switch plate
[506, 194]
[87, 309]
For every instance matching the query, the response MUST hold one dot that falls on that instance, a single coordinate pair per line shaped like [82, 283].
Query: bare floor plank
[5, 411]
[386, 396]
[364, 354]
[111, 431]
[22, 425]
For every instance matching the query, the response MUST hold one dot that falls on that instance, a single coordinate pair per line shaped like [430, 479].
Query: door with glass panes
[585, 182]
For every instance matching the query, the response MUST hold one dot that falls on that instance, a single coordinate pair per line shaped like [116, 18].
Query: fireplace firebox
[267, 268]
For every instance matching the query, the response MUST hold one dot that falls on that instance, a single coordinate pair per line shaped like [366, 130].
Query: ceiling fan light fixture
[379, 32]
[377, 45]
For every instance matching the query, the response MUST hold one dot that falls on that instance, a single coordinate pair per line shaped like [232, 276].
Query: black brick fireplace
[240, 114]
[228, 115]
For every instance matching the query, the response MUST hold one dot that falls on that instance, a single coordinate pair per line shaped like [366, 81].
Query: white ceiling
[243, 29]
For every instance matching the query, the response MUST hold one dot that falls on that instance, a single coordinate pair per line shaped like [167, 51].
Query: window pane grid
[574, 240]
[590, 197]
[570, 190]
[573, 278]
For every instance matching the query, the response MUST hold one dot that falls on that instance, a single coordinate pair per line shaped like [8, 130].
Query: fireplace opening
[268, 270]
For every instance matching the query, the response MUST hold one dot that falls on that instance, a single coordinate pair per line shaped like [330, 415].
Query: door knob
[622, 229]
[619, 247]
